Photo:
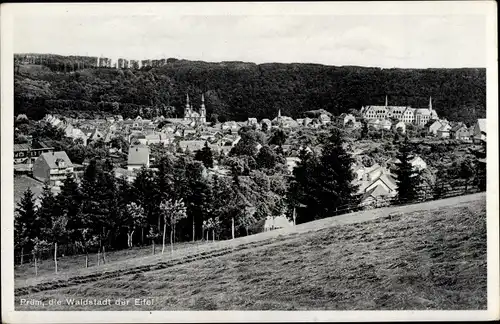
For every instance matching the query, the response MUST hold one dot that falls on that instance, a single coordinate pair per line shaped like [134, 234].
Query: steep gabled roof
[482, 124]
[51, 159]
[458, 127]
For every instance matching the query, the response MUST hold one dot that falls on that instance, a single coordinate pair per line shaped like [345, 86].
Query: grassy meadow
[418, 257]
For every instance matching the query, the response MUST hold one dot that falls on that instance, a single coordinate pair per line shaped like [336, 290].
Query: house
[252, 121]
[479, 133]
[278, 222]
[374, 182]
[444, 131]
[399, 126]
[357, 125]
[291, 163]
[289, 122]
[324, 119]
[373, 123]
[433, 126]
[21, 117]
[267, 123]
[230, 125]
[108, 136]
[460, 132]
[138, 157]
[385, 124]
[344, 118]
[386, 181]
[158, 138]
[94, 135]
[383, 188]
[75, 133]
[52, 167]
[128, 175]
[191, 145]
[27, 153]
[416, 161]
[367, 174]
[306, 121]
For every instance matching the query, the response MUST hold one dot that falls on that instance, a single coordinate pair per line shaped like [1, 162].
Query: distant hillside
[238, 90]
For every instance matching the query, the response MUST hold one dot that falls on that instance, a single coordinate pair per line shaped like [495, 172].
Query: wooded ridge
[238, 90]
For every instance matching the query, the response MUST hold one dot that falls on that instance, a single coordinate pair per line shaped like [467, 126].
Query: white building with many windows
[408, 115]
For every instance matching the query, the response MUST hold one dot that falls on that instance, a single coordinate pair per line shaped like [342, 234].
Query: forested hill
[238, 90]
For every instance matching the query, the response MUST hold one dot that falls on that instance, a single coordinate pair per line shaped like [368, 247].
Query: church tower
[430, 103]
[187, 109]
[386, 102]
[203, 111]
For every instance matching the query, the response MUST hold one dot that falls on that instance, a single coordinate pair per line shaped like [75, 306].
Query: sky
[403, 40]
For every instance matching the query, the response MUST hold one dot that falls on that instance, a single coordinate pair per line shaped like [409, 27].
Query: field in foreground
[422, 259]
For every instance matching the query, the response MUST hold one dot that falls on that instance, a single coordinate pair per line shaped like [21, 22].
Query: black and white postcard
[215, 162]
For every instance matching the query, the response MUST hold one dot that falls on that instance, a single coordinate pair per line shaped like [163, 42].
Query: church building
[190, 115]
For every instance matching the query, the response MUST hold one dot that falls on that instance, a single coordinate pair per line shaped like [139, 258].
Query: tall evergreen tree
[47, 212]
[466, 172]
[24, 221]
[335, 180]
[198, 198]
[300, 193]
[69, 201]
[407, 178]
[205, 156]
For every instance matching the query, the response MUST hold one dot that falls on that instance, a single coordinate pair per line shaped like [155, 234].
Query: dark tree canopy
[238, 90]
[408, 179]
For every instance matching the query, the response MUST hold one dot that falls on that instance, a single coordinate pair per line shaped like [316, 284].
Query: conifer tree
[69, 201]
[407, 178]
[47, 212]
[335, 177]
[205, 155]
[301, 189]
[198, 196]
[466, 172]
[24, 221]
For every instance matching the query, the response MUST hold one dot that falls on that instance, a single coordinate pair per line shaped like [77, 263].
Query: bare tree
[86, 242]
[38, 247]
[153, 235]
[134, 217]
[172, 211]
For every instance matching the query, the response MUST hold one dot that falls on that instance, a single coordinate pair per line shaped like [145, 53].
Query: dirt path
[190, 254]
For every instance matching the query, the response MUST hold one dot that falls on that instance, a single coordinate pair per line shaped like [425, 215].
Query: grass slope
[424, 258]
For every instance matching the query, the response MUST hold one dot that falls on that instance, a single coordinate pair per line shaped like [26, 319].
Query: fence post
[36, 265]
[55, 256]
